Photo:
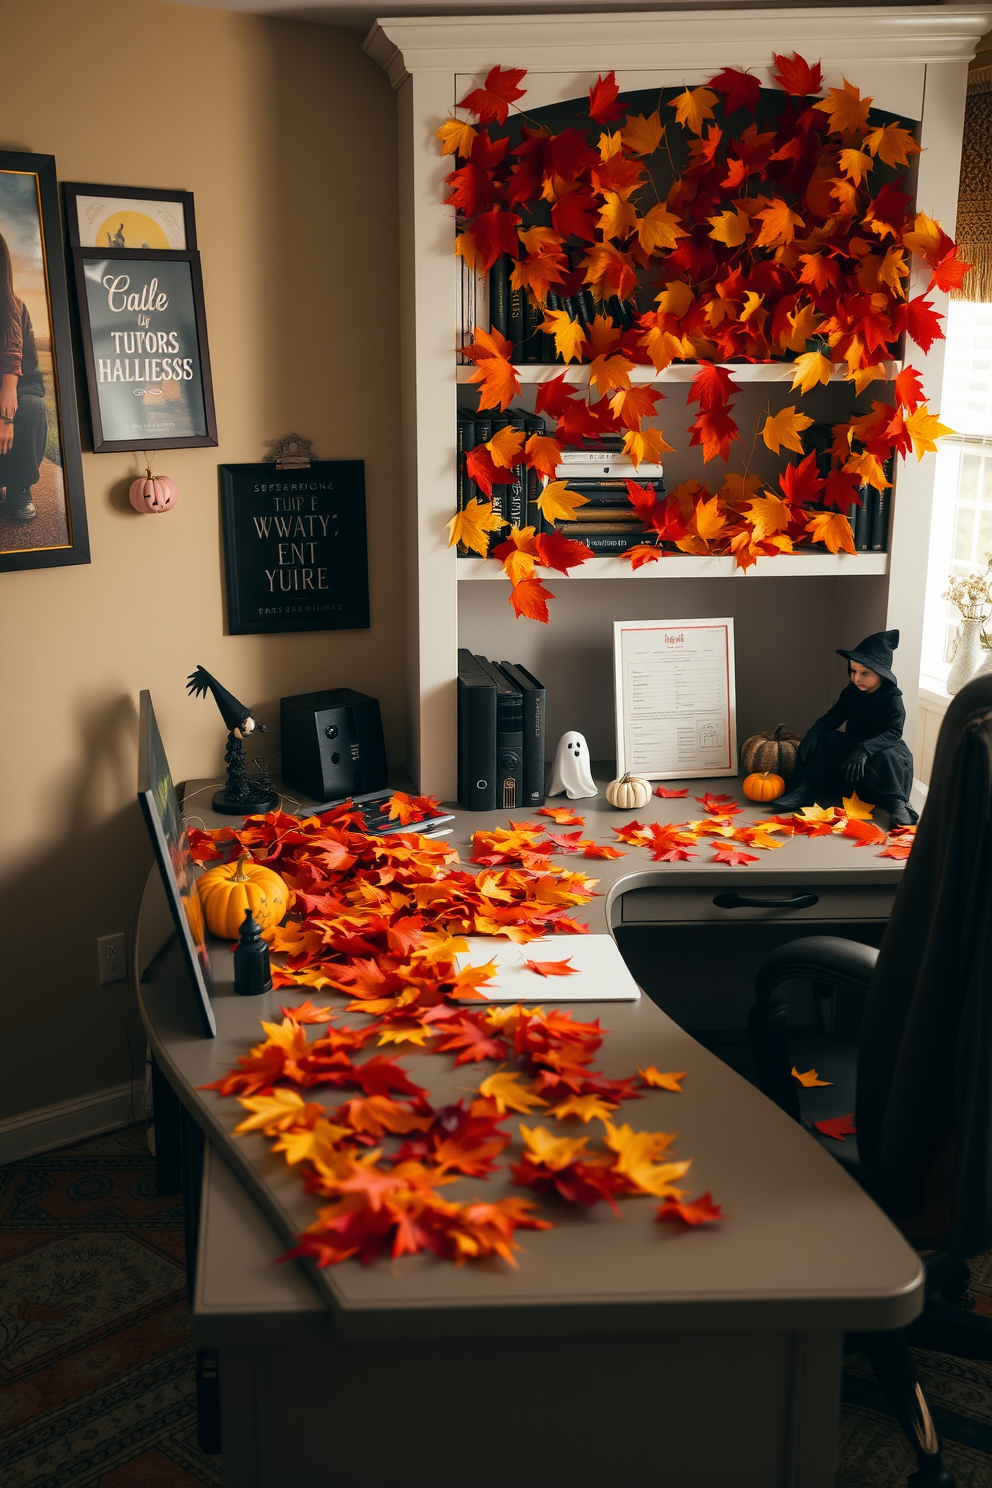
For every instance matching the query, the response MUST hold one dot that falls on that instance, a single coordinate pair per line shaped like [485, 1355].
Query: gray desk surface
[804, 1249]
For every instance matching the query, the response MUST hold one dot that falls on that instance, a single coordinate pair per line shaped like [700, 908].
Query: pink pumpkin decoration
[153, 493]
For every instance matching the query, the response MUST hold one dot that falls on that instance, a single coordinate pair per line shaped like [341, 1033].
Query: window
[961, 532]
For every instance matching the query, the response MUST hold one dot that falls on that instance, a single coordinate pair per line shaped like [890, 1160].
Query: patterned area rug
[97, 1366]
[96, 1359]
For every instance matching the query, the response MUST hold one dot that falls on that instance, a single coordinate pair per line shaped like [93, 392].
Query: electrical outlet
[110, 951]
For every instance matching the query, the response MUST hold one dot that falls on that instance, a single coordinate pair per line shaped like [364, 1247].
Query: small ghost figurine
[572, 774]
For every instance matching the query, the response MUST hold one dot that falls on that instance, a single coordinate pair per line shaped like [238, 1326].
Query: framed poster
[128, 217]
[160, 807]
[145, 347]
[676, 698]
[43, 511]
[295, 547]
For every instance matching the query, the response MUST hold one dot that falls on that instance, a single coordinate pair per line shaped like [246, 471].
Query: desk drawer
[696, 905]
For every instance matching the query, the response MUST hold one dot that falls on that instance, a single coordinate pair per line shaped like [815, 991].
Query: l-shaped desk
[620, 1351]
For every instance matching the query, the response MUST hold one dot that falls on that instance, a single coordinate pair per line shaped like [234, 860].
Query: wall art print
[42, 507]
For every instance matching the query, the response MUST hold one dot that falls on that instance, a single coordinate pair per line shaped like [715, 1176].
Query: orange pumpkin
[226, 892]
[764, 787]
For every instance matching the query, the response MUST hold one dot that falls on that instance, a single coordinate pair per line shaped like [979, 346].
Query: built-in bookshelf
[913, 61]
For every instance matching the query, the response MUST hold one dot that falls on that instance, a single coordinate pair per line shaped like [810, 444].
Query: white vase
[968, 655]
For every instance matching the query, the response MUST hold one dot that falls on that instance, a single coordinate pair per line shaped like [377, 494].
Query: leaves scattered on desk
[380, 921]
[702, 1211]
[809, 1079]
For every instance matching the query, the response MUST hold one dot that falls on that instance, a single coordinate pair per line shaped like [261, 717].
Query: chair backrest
[925, 1055]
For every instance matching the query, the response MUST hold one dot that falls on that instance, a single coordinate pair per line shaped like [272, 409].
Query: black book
[861, 520]
[509, 738]
[532, 693]
[499, 296]
[476, 735]
[517, 333]
[485, 428]
[553, 301]
[607, 543]
[534, 344]
[610, 488]
[878, 522]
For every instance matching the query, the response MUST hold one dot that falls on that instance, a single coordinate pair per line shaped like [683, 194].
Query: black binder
[476, 735]
[509, 750]
[532, 693]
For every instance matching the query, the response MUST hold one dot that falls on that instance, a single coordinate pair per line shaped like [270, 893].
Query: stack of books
[516, 503]
[609, 522]
[519, 320]
[869, 521]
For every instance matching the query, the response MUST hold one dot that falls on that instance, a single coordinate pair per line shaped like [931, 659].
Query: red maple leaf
[604, 106]
[721, 805]
[472, 190]
[567, 155]
[732, 856]
[841, 490]
[897, 850]
[920, 320]
[796, 76]
[552, 968]
[700, 1211]
[490, 103]
[574, 216]
[838, 1127]
[554, 550]
[865, 833]
[801, 484]
[741, 90]
[909, 389]
[716, 431]
[495, 232]
[481, 468]
[670, 795]
[711, 387]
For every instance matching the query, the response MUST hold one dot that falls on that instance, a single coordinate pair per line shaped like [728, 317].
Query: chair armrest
[820, 958]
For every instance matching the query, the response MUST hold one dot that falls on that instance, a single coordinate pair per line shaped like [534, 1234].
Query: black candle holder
[252, 973]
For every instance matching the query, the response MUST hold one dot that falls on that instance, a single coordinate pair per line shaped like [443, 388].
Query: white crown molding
[673, 40]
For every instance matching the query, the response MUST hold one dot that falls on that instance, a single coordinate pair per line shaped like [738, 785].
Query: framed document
[676, 698]
[128, 217]
[295, 549]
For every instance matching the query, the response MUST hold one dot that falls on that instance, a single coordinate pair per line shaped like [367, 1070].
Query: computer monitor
[160, 805]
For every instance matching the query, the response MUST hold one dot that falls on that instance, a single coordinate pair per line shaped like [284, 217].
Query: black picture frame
[295, 547]
[29, 212]
[72, 191]
[167, 830]
[118, 423]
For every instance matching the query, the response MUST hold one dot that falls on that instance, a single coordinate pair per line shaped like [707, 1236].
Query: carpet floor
[97, 1362]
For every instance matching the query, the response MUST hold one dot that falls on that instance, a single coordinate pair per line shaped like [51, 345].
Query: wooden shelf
[678, 372]
[687, 566]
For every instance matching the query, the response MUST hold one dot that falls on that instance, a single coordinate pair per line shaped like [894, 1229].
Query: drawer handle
[737, 901]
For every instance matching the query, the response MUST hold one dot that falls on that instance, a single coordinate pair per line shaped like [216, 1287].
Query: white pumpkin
[629, 793]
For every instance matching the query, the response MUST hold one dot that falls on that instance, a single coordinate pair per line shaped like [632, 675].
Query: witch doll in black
[870, 756]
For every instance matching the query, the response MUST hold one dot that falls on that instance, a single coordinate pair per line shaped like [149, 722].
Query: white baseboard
[67, 1121]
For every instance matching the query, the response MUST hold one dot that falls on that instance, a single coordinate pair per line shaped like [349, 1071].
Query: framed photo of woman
[42, 506]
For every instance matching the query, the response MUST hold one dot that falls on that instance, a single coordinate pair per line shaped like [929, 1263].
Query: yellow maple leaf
[655, 1077]
[551, 1151]
[782, 430]
[543, 453]
[779, 223]
[730, 228]
[644, 444]
[505, 447]
[617, 218]
[570, 339]
[893, 143]
[862, 376]
[659, 228]
[693, 107]
[467, 248]
[737, 487]
[458, 137]
[804, 322]
[924, 237]
[557, 503]
[675, 299]
[855, 164]
[276, 1112]
[893, 270]
[584, 1106]
[768, 514]
[812, 368]
[643, 135]
[833, 529]
[869, 468]
[846, 109]
[498, 384]
[816, 813]
[519, 565]
[752, 302]
[857, 809]
[809, 1078]
[924, 429]
[602, 334]
[709, 519]
[469, 527]
[609, 145]
[404, 1033]
[636, 1152]
[505, 1089]
[609, 372]
[316, 1145]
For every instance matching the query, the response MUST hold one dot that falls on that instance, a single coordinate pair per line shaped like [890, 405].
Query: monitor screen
[160, 805]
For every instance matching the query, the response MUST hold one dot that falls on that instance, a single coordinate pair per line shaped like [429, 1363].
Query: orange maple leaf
[780, 223]
[529, 598]
[661, 1081]
[784, 428]
[833, 529]
[693, 107]
[552, 968]
[846, 109]
[472, 526]
[700, 1211]
[564, 816]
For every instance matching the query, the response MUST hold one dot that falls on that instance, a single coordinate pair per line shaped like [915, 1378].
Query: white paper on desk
[601, 974]
[676, 698]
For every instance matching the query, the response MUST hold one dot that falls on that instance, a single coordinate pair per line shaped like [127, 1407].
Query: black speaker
[332, 744]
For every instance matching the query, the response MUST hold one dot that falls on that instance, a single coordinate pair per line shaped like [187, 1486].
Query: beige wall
[285, 133]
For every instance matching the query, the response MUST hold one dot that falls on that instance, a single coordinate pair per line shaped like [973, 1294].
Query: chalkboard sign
[295, 547]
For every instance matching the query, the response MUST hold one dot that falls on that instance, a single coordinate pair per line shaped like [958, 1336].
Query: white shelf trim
[688, 566]
[578, 373]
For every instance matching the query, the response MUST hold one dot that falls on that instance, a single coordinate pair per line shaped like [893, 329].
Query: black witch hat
[875, 653]
[234, 714]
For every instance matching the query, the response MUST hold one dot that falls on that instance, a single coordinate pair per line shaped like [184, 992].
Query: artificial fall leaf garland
[379, 920]
[783, 238]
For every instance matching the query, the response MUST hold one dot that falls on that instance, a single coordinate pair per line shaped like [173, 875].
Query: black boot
[799, 794]
[20, 508]
[900, 813]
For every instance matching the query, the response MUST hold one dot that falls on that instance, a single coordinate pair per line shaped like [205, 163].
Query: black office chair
[918, 1076]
